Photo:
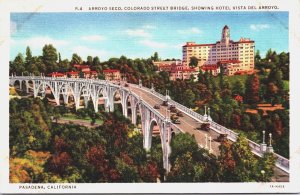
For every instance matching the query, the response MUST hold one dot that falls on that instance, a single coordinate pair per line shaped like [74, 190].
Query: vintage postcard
[149, 97]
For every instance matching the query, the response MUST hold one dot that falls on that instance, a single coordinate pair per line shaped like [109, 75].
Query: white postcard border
[6, 7]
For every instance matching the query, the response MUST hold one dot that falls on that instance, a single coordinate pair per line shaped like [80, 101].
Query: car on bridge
[165, 103]
[173, 109]
[176, 121]
[205, 126]
[174, 117]
[156, 106]
[179, 113]
[221, 137]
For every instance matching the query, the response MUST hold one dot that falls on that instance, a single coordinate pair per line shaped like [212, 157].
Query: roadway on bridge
[188, 124]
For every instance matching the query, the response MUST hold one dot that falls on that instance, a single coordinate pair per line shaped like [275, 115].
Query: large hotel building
[235, 57]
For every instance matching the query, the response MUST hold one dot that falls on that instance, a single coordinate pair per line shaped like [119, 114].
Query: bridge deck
[189, 125]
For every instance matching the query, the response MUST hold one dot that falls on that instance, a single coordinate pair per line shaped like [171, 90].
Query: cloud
[193, 30]
[13, 27]
[39, 42]
[137, 33]
[178, 46]
[153, 44]
[84, 51]
[93, 38]
[148, 26]
[258, 27]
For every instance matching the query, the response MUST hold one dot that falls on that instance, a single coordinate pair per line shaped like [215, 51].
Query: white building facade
[237, 56]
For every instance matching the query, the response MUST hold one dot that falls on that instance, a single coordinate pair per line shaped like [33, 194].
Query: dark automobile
[221, 137]
[205, 126]
[174, 117]
[165, 103]
[179, 113]
[173, 109]
[176, 121]
[156, 106]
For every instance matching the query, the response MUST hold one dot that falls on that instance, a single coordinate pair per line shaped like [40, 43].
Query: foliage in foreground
[45, 151]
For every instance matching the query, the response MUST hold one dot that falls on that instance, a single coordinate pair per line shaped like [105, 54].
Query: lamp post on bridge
[152, 87]
[205, 115]
[167, 97]
[263, 145]
[208, 114]
[140, 83]
[270, 147]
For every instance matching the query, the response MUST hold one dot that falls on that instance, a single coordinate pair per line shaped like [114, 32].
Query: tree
[17, 65]
[189, 98]
[193, 62]
[59, 58]
[155, 57]
[257, 56]
[275, 76]
[96, 64]
[64, 65]
[28, 59]
[182, 169]
[226, 161]
[59, 163]
[265, 169]
[221, 76]
[37, 65]
[252, 89]
[50, 58]
[96, 156]
[238, 88]
[245, 162]
[76, 59]
[89, 60]
[181, 144]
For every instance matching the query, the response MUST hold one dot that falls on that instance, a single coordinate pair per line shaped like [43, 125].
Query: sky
[140, 34]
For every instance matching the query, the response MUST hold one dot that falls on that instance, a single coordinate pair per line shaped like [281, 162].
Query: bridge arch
[67, 91]
[117, 98]
[45, 85]
[84, 94]
[101, 96]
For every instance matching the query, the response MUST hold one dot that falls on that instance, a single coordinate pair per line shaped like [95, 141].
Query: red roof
[81, 66]
[73, 73]
[56, 74]
[184, 70]
[244, 41]
[229, 61]
[110, 70]
[209, 67]
[195, 45]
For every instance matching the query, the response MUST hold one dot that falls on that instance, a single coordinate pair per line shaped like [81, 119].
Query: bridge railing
[282, 163]
[255, 148]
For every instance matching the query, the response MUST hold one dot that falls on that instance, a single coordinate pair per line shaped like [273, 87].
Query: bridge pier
[86, 101]
[66, 99]
[27, 87]
[146, 125]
